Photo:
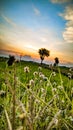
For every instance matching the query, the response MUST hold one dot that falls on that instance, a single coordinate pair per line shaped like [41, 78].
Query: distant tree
[43, 52]
[56, 61]
[11, 60]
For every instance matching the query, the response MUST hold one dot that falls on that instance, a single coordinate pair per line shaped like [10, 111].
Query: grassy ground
[35, 98]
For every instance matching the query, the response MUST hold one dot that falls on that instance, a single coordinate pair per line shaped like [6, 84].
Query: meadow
[33, 97]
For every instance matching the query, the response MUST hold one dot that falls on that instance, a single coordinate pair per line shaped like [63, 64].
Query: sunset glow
[27, 25]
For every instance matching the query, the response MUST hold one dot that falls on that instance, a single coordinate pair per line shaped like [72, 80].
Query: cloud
[8, 20]
[6, 46]
[28, 40]
[36, 11]
[68, 16]
[60, 1]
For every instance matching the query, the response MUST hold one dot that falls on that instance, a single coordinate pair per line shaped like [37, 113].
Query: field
[35, 98]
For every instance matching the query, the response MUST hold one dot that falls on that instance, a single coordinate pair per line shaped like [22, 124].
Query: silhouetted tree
[11, 60]
[56, 61]
[43, 52]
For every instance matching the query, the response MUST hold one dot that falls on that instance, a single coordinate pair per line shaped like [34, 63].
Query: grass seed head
[26, 69]
[2, 94]
[39, 68]
[35, 73]
[69, 75]
[41, 75]
[31, 82]
[54, 89]
[53, 73]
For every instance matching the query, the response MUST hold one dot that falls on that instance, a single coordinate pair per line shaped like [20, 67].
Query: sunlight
[30, 46]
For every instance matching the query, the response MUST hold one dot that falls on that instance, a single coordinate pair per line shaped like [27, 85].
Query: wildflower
[2, 93]
[35, 73]
[26, 69]
[39, 68]
[54, 73]
[54, 89]
[69, 75]
[31, 82]
[41, 75]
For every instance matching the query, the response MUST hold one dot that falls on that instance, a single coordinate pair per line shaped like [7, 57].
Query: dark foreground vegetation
[34, 97]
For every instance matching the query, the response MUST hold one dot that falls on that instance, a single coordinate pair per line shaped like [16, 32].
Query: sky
[28, 25]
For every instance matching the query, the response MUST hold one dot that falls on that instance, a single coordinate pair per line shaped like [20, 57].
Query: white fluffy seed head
[26, 69]
[41, 75]
[54, 89]
[35, 73]
[54, 73]
[39, 68]
[31, 82]
[69, 75]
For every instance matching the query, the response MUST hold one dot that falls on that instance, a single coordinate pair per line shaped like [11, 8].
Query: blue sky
[27, 25]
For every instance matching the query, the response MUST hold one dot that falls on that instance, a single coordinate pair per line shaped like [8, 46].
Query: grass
[35, 98]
